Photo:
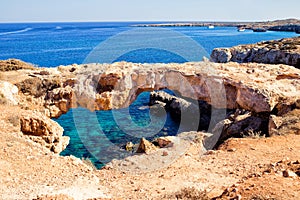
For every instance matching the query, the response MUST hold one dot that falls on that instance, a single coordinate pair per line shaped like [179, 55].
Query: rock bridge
[254, 87]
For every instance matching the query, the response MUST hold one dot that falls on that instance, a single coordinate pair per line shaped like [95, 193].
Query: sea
[99, 137]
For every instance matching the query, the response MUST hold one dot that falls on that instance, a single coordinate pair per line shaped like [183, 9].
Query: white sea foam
[15, 32]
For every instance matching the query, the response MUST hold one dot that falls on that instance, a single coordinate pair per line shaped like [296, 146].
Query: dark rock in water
[288, 27]
[158, 108]
[259, 30]
[180, 109]
[129, 146]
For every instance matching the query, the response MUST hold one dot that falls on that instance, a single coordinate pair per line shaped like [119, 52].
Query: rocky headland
[284, 51]
[291, 25]
[259, 104]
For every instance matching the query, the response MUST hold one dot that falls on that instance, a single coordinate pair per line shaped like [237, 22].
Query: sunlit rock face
[254, 87]
[260, 89]
[284, 51]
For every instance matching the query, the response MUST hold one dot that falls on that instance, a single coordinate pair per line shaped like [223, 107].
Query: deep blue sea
[53, 44]
[99, 136]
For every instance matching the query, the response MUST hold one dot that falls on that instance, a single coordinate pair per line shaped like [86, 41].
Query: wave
[14, 54]
[15, 32]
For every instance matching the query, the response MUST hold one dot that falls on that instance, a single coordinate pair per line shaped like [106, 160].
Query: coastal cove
[54, 44]
[152, 123]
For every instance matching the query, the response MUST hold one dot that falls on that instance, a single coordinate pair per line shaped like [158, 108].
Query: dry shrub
[190, 193]
[3, 100]
[253, 134]
[259, 197]
[38, 87]
[14, 64]
[14, 120]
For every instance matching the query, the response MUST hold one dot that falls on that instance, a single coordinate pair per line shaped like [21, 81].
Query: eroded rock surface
[8, 93]
[259, 89]
[284, 51]
[254, 87]
[44, 131]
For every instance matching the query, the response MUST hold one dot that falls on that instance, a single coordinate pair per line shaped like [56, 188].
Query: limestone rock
[14, 64]
[129, 146]
[146, 147]
[243, 124]
[248, 86]
[8, 93]
[59, 101]
[289, 174]
[288, 123]
[284, 51]
[44, 131]
[221, 55]
[274, 124]
[164, 142]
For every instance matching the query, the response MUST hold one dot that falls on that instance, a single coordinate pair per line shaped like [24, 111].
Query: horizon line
[173, 21]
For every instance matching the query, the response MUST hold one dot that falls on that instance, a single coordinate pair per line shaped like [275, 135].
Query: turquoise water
[101, 136]
[114, 129]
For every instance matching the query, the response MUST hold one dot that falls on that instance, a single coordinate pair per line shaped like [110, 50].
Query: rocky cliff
[284, 51]
[260, 97]
[292, 25]
[258, 89]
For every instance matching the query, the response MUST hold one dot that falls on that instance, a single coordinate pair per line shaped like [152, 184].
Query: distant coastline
[291, 25]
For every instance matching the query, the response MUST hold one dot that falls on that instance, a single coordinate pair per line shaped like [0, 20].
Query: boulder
[164, 142]
[44, 131]
[8, 93]
[288, 123]
[146, 147]
[239, 124]
[129, 146]
[221, 55]
[289, 174]
[274, 125]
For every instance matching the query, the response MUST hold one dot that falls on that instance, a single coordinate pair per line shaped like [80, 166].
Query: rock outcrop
[259, 89]
[284, 51]
[44, 131]
[146, 147]
[289, 123]
[14, 64]
[248, 86]
[8, 93]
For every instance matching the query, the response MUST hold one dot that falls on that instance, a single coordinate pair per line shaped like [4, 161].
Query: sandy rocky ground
[249, 168]
[244, 168]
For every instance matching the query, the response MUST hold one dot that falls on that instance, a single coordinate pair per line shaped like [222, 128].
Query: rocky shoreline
[247, 100]
[289, 25]
[284, 51]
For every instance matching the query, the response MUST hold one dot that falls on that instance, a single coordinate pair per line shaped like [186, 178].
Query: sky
[147, 10]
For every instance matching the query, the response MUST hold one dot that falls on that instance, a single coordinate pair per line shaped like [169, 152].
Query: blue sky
[150, 10]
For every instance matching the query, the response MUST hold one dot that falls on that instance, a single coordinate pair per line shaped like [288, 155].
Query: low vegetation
[13, 64]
